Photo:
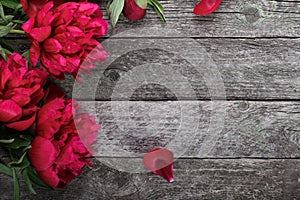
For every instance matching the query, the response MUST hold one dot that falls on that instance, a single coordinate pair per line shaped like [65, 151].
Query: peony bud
[133, 11]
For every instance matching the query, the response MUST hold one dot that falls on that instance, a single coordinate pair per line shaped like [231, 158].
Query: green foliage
[115, 9]
[10, 3]
[18, 144]
[159, 9]
[142, 3]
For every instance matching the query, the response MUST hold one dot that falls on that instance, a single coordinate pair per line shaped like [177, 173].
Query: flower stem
[17, 32]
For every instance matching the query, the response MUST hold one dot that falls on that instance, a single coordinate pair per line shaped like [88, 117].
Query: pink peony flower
[62, 38]
[31, 7]
[20, 92]
[58, 151]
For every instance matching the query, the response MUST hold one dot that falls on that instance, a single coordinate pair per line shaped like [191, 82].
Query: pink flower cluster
[63, 35]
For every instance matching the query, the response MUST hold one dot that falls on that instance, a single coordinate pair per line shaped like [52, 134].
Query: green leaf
[14, 163]
[4, 53]
[16, 185]
[4, 21]
[4, 30]
[17, 8]
[159, 9]
[7, 45]
[142, 3]
[28, 181]
[18, 143]
[28, 138]
[36, 179]
[5, 170]
[22, 165]
[10, 4]
[7, 141]
[2, 15]
[115, 9]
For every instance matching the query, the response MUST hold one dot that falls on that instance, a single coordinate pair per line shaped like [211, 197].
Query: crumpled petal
[161, 162]
[205, 7]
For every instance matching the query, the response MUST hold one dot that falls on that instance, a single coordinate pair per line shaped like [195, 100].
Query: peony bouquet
[48, 140]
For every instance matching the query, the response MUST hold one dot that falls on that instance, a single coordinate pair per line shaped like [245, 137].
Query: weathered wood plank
[248, 68]
[235, 18]
[198, 129]
[194, 179]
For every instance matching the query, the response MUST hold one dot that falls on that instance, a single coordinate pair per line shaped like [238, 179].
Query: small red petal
[161, 162]
[206, 7]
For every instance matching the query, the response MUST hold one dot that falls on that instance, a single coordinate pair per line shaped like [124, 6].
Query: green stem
[17, 32]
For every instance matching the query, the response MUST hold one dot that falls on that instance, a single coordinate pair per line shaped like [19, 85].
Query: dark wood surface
[253, 126]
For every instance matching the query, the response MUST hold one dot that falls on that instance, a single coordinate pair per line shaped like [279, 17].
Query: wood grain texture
[234, 18]
[194, 179]
[198, 129]
[253, 155]
[249, 69]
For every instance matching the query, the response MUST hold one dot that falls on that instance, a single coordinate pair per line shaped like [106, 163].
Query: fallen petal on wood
[205, 7]
[161, 162]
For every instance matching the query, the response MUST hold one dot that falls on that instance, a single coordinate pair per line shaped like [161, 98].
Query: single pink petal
[34, 52]
[52, 45]
[42, 154]
[5, 75]
[9, 111]
[27, 26]
[66, 155]
[40, 34]
[161, 162]
[49, 177]
[206, 7]
[31, 7]
[22, 124]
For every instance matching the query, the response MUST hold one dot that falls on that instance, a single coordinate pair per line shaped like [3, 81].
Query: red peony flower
[20, 91]
[133, 11]
[64, 139]
[206, 7]
[63, 38]
[31, 7]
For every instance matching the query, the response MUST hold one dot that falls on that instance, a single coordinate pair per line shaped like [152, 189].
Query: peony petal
[52, 92]
[23, 124]
[160, 162]
[66, 156]
[40, 34]
[49, 177]
[52, 45]
[206, 7]
[34, 52]
[31, 7]
[48, 121]
[9, 111]
[27, 26]
[42, 154]
[5, 74]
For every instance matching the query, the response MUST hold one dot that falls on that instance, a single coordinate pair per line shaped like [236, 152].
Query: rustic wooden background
[256, 47]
